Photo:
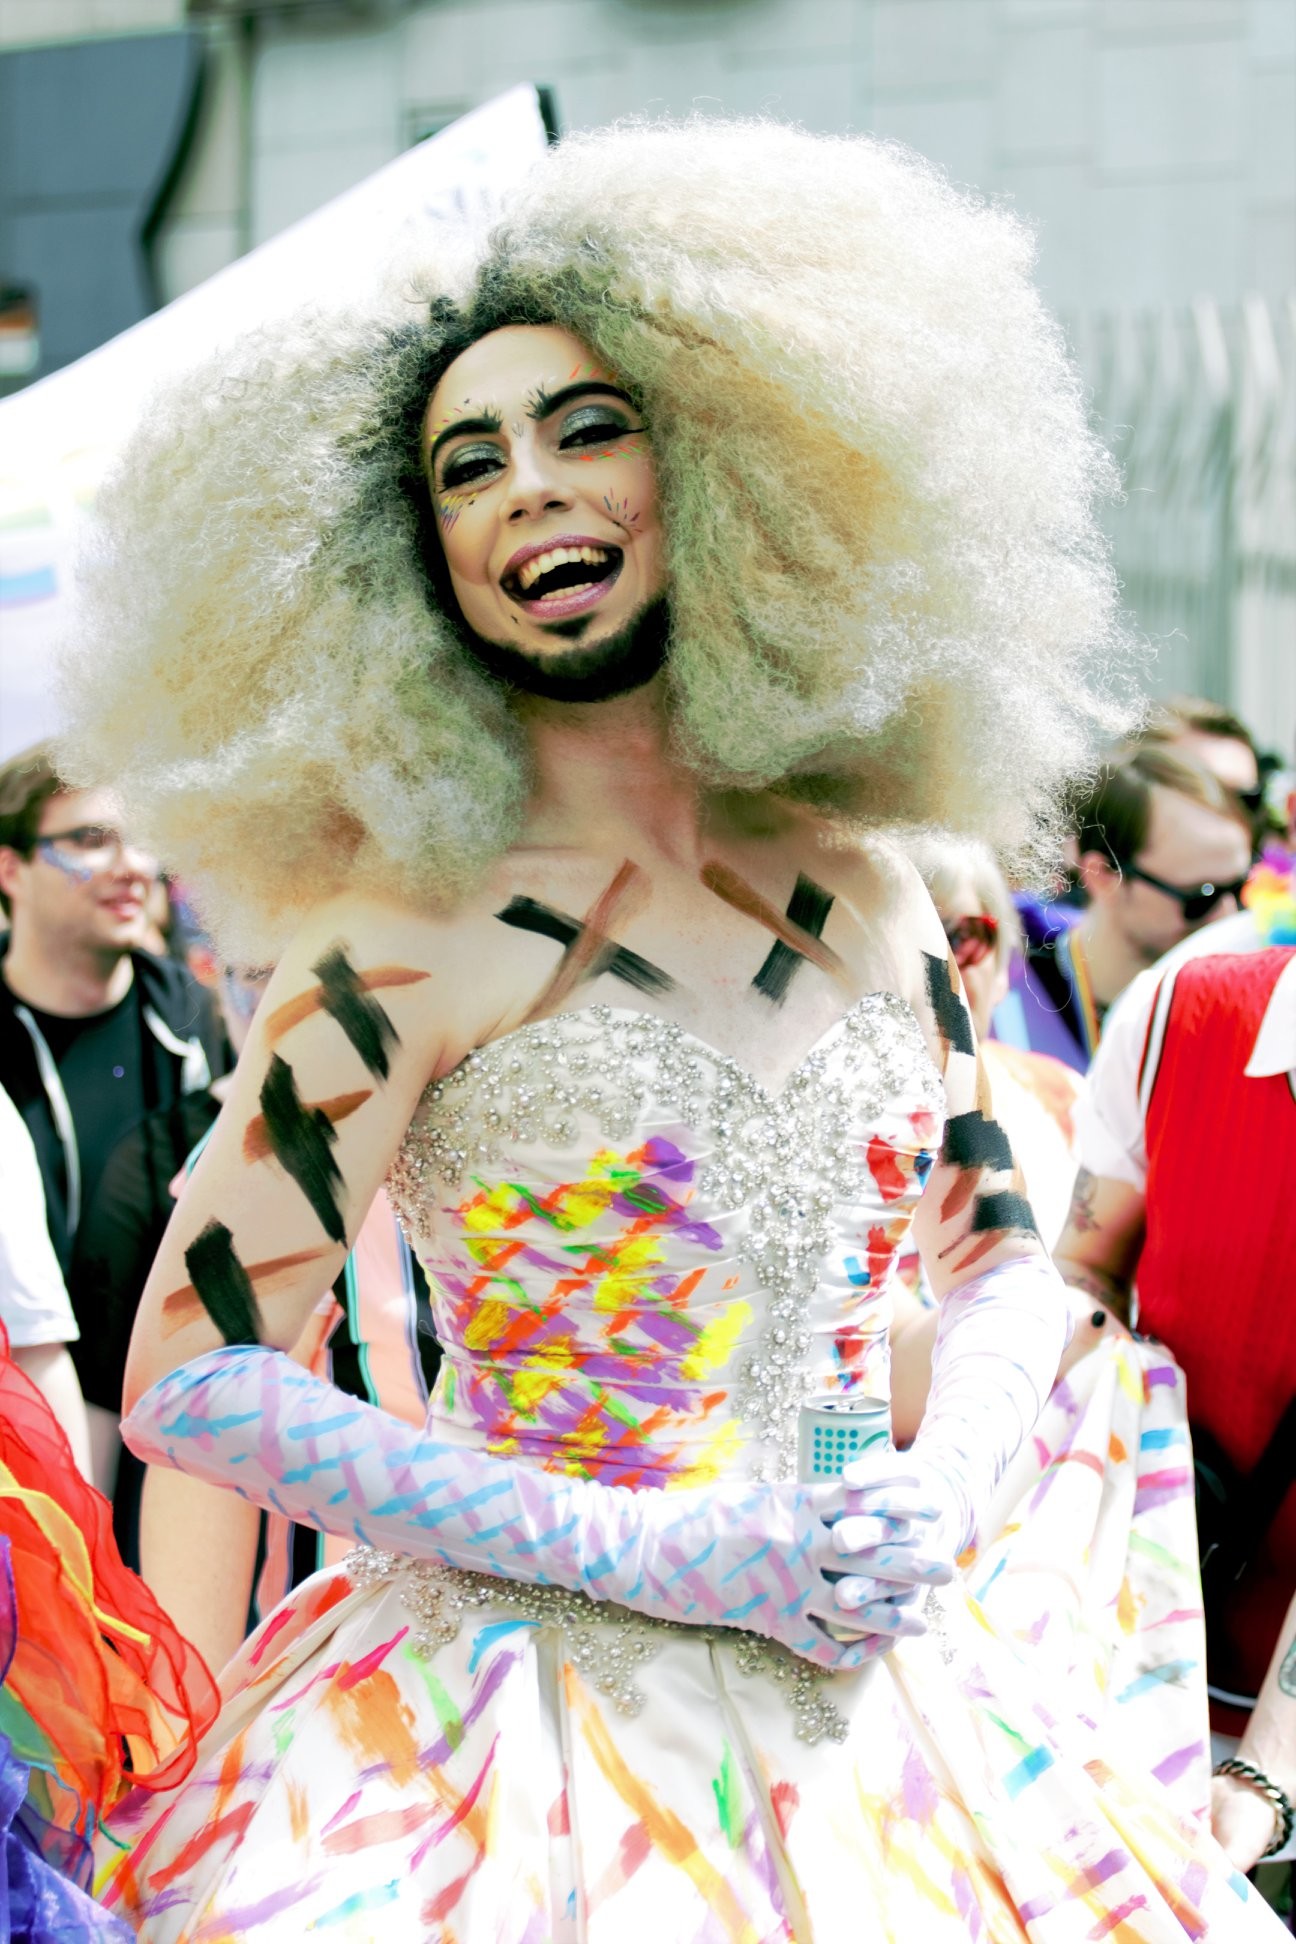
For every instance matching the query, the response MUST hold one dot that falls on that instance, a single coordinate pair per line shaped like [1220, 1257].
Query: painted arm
[1099, 1248]
[1003, 1316]
[736, 1554]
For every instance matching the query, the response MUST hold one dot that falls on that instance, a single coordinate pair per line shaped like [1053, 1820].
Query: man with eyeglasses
[1164, 848]
[96, 1035]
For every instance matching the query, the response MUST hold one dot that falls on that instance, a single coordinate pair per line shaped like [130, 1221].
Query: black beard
[616, 666]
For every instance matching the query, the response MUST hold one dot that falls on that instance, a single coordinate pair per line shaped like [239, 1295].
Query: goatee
[615, 666]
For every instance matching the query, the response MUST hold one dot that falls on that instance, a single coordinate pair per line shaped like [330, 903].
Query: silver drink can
[829, 1436]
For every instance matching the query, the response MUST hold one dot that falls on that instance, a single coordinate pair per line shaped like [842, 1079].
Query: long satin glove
[998, 1344]
[734, 1554]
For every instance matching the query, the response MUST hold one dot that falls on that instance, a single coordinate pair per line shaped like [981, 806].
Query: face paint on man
[558, 568]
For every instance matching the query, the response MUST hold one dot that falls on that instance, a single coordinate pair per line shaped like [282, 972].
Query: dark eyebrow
[484, 422]
[541, 403]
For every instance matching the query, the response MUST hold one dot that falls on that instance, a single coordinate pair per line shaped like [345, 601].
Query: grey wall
[1152, 141]
[90, 136]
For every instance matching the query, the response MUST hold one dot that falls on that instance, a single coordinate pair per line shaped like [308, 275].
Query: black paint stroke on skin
[223, 1285]
[972, 1141]
[808, 908]
[357, 1012]
[1004, 1211]
[951, 1014]
[527, 914]
[302, 1140]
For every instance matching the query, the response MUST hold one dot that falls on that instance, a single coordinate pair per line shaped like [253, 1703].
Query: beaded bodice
[641, 1261]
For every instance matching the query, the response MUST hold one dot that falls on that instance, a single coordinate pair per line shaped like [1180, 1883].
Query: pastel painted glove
[736, 1554]
[995, 1359]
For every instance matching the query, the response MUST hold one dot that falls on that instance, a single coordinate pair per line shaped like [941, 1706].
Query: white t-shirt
[34, 1305]
[1110, 1114]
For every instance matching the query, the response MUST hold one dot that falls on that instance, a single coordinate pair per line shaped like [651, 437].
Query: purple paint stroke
[440, 1751]
[1176, 1763]
[237, 1922]
[918, 1787]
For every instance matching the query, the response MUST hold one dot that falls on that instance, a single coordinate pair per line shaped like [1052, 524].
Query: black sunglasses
[1195, 901]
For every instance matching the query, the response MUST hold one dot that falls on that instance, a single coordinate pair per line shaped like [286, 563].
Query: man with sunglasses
[96, 1035]
[1163, 848]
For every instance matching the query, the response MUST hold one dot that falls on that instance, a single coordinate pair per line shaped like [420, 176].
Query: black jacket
[185, 1049]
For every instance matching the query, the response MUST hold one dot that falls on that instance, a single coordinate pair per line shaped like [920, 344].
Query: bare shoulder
[870, 875]
[431, 973]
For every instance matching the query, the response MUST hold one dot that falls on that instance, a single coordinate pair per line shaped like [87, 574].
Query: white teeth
[529, 573]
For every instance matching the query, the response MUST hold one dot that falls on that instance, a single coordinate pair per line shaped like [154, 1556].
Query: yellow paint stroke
[715, 1346]
[1127, 1607]
[662, 1826]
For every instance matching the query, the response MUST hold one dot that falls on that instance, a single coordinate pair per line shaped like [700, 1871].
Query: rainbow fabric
[640, 1262]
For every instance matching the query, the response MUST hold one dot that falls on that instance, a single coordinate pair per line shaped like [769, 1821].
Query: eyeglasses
[972, 939]
[1194, 900]
[87, 848]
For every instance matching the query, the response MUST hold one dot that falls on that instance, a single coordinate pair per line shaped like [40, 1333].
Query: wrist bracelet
[1280, 1803]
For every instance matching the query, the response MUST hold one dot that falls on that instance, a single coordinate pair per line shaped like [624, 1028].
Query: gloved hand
[735, 1554]
[994, 1362]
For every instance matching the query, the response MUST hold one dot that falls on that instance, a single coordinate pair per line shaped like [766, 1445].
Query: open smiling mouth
[564, 581]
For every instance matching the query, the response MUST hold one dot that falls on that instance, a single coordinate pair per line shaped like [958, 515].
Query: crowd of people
[671, 1044]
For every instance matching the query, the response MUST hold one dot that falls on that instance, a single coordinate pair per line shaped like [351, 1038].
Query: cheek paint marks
[302, 1140]
[620, 511]
[313, 1000]
[223, 1285]
[953, 1021]
[67, 867]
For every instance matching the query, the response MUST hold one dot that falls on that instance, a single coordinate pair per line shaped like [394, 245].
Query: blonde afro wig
[888, 591]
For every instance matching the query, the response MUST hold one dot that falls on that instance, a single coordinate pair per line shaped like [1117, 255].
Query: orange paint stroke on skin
[737, 893]
[624, 896]
[294, 1011]
[664, 1829]
[256, 1138]
[185, 1305]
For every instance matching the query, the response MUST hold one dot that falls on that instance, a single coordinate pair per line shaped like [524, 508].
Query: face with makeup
[546, 501]
[84, 886]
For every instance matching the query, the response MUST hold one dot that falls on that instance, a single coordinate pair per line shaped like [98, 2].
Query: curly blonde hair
[887, 588]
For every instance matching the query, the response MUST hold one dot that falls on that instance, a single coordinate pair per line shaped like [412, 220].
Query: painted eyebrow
[484, 422]
[542, 403]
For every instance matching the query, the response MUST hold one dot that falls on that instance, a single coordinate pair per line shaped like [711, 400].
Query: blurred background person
[1085, 1557]
[1162, 848]
[1187, 1134]
[103, 1050]
[34, 1306]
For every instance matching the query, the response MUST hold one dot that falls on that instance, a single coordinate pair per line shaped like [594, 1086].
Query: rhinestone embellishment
[786, 1159]
[608, 1645]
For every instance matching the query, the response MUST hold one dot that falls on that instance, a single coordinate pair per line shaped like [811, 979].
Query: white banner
[58, 437]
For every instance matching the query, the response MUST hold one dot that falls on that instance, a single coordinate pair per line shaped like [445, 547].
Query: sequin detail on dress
[608, 1645]
[786, 1159]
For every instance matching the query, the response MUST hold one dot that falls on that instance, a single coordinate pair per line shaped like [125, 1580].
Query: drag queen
[547, 657]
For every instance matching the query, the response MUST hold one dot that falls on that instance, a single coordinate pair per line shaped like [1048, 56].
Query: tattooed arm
[1099, 1249]
[1242, 1820]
